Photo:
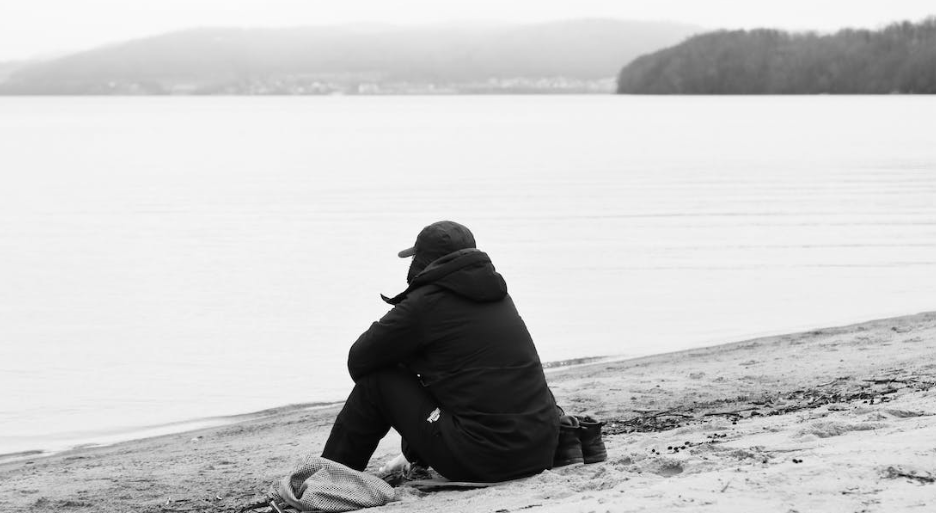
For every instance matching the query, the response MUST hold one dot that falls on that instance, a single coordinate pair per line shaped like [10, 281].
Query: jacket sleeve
[392, 340]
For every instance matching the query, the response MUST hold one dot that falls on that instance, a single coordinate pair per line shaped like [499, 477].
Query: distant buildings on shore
[324, 86]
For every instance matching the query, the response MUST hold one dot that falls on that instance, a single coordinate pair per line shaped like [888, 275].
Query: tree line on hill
[900, 58]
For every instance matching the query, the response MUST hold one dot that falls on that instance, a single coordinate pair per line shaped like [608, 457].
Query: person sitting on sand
[453, 368]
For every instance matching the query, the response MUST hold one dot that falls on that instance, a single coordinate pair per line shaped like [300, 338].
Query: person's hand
[396, 464]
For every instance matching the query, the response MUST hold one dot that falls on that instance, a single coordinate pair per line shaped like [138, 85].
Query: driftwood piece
[882, 381]
[895, 472]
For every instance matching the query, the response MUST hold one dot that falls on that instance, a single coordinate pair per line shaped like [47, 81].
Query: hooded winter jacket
[456, 327]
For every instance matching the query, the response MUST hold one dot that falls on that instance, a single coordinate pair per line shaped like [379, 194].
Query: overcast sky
[30, 28]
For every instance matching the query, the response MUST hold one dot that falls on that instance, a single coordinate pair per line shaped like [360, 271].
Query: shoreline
[65, 442]
[105, 438]
[835, 417]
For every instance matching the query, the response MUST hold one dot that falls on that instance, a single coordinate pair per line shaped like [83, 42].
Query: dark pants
[391, 398]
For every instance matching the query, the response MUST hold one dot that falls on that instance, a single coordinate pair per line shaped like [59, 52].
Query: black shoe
[569, 450]
[589, 433]
[418, 472]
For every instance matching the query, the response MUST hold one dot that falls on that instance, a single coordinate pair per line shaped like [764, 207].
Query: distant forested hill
[900, 58]
[369, 59]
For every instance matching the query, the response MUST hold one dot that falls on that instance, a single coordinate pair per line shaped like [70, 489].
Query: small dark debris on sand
[840, 391]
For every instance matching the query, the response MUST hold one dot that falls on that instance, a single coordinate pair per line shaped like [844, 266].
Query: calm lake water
[170, 259]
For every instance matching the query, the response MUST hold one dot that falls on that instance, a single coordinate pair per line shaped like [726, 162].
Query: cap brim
[406, 253]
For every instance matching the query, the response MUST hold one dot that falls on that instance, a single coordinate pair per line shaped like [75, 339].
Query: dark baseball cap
[439, 239]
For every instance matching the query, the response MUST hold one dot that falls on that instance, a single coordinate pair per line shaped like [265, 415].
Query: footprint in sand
[665, 467]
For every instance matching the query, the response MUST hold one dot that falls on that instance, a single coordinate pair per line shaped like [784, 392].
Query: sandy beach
[834, 419]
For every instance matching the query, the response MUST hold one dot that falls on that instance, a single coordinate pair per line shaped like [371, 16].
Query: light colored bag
[319, 484]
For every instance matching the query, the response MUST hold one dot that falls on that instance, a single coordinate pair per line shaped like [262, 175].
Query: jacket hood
[467, 272]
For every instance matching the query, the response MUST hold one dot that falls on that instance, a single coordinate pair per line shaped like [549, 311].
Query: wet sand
[836, 419]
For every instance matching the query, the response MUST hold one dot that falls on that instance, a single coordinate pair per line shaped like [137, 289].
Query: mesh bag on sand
[319, 484]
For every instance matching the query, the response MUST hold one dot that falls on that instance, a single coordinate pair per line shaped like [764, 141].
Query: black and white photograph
[504, 256]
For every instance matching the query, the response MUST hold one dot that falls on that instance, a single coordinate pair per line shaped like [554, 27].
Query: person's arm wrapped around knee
[392, 340]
